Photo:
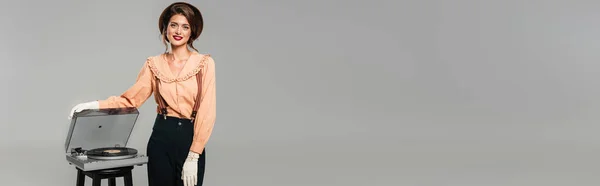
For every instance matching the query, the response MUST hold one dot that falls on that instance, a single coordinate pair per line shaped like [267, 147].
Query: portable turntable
[97, 142]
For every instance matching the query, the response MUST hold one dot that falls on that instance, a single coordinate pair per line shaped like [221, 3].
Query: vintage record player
[97, 139]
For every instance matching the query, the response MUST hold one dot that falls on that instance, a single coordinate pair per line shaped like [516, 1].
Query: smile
[177, 38]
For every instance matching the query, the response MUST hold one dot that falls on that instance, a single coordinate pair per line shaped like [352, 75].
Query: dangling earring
[169, 48]
[167, 42]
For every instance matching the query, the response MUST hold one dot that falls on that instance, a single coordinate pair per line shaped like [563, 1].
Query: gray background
[411, 93]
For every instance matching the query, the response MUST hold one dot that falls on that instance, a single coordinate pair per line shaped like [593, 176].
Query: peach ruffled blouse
[179, 92]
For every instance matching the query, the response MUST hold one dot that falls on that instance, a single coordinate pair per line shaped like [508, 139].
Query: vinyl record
[111, 153]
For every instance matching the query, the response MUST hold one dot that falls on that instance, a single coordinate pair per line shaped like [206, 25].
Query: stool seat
[110, 174]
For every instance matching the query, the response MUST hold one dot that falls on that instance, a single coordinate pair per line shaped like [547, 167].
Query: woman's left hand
[189, 174]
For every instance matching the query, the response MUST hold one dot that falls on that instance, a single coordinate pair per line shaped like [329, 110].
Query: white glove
[84, 106]
[189, 174]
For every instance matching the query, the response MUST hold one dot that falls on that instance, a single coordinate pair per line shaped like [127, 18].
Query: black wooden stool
[110, 174]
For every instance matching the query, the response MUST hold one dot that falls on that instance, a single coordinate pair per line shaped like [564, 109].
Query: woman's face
[178, 30]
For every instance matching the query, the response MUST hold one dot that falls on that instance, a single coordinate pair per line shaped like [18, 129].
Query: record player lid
[97, 128]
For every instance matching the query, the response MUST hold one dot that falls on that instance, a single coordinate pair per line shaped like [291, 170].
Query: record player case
[97, 142]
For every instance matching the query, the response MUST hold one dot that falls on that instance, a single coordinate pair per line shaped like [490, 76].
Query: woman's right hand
[84, 106]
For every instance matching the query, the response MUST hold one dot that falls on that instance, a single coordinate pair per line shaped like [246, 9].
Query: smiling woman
[183, 83]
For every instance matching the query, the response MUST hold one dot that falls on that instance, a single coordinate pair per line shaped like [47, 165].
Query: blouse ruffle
[165, 78]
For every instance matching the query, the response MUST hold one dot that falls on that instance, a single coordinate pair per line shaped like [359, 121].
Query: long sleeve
[205, 118]
[136, 95]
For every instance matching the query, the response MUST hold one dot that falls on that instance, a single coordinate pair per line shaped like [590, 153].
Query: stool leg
[96, 181]
[80, 178]
[127, 179]
[112, 182]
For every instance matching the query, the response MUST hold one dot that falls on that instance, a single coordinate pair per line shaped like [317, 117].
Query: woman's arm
[205, 118]
[136, 95]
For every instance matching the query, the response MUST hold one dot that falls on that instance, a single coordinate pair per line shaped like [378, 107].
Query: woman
[183, 124]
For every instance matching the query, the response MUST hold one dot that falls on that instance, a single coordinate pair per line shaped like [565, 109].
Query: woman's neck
[180, 53]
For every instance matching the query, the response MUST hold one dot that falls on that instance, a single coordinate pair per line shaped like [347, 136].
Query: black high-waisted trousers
[167, 150]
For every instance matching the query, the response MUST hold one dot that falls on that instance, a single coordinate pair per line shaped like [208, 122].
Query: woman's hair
[191, 13]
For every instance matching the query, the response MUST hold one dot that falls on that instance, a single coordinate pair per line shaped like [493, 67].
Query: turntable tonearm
[97, 139]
